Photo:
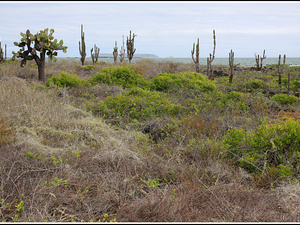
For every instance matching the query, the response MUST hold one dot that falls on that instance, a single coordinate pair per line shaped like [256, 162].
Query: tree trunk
[41, 67]
[231, 75]
[197, 68]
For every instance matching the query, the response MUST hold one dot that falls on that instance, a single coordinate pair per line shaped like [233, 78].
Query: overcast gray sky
[163, 28]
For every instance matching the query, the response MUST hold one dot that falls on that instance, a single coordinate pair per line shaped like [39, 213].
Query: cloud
[162, 28]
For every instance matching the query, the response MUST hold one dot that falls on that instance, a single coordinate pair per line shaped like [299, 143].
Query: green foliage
[255, 84]
[188, 80]
[284, 99]
[234, 96]
[55, 182]
[67, 80]
[155, 183]
[270, 145]
[295, 85]
[139, 104]
[18, 205]
[233, 139]
[89, 67]
[43, 42]
[76, 153]
[235, 100]
[121, 75]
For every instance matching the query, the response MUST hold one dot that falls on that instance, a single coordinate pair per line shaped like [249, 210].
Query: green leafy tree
[44, 43]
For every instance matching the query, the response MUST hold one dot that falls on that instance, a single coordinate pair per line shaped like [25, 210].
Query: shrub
[235, 100]
[234, 96]
[89, 67]
[269, 146]
[188, 80]
[255, 84]
[122, 75]
[284, 99]
[138, 104]
[295, 85]
[67, 80]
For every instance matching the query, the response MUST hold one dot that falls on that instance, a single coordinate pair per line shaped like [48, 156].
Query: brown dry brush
[195, 183]
[189, 202]
[96, 185]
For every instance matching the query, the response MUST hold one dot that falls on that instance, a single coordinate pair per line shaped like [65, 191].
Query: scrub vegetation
[148, 142]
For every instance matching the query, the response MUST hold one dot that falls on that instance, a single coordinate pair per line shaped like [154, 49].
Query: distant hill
[110, 55]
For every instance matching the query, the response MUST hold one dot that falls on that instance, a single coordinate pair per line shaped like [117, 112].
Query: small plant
[155, 183]
[55, 182]
[66, 80]
[284, 99]
[76, 153]
[255, 84]
[19, 209]
[56, 161]
[89, 67]
[105, 216]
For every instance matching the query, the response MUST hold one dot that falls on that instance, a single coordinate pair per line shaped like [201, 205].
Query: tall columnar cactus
[115, 53]
[2, 54]
[42, 42]
[95, 55]
[257, 59]
[130, 47]
[5, 57]
[280, 70]
[196, 61]
[231, 65]
[122, 52]
[210, 59]
[82, 46]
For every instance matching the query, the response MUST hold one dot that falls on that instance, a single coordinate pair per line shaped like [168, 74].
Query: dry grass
[163, 171]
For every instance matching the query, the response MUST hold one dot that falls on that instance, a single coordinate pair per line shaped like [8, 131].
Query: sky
[163, 28]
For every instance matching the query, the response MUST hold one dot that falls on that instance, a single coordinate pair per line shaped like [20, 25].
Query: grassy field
[148, 142]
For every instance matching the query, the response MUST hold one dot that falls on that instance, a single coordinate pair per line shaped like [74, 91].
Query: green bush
[234, 96]
[188, 80]
[67, 80]
[138, 104]
[295, 85]
[89, 67]
[284, 99]
[122, 75]
[234, 100]
[269, 146]
[255, 84]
